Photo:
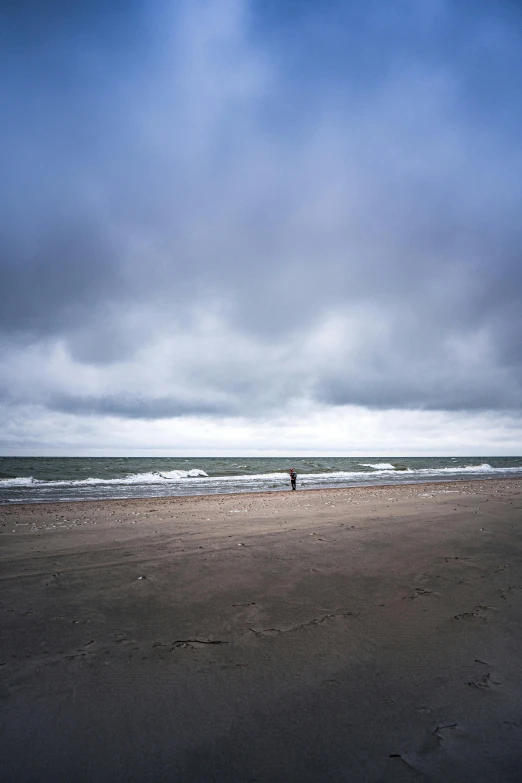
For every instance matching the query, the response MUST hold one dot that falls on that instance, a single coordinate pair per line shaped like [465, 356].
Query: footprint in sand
[510, 592]
[448, 736]
[457, 559]
[420, 592]
[489, 680]
[478, 612]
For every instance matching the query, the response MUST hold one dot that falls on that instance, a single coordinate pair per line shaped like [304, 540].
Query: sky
[260, 227]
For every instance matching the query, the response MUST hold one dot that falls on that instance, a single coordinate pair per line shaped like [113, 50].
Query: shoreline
[365, 633]
[367, 486]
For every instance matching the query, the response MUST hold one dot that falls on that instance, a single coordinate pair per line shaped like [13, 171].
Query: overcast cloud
[232, 225]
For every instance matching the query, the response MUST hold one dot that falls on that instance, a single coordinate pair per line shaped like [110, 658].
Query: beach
[362, 634]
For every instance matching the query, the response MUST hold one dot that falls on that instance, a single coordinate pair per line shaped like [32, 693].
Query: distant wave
[484, 468]
[377, 465]
[179, 474]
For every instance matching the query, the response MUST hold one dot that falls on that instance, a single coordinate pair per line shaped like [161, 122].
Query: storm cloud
[228, 209]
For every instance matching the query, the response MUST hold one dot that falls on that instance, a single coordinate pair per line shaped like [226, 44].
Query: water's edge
[338, 488]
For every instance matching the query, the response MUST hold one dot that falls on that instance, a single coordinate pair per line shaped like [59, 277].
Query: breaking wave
[377, 465]
[134, 478]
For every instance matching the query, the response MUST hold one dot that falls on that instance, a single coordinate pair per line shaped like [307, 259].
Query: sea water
[46, 479]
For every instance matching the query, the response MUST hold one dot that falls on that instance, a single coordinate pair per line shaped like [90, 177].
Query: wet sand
[361, 635]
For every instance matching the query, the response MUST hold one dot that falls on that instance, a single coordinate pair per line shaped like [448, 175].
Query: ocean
[49, 479]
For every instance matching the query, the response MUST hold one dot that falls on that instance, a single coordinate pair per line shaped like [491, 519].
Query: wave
[484, 468]
[20, 481]
[406, 472]
[180, 474]
[155, 477]
[378, 465]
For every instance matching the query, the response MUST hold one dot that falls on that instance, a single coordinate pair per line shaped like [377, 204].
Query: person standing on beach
[293, 478]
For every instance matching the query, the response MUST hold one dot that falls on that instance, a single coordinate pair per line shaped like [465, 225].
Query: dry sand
[353, 635]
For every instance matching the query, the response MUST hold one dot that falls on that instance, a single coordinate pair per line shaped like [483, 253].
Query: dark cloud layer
[218, 207]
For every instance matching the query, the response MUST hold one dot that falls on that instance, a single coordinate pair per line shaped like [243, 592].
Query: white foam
[133, 478]
[179, 474]
[20, 481]
[484, 468]
[378, 465]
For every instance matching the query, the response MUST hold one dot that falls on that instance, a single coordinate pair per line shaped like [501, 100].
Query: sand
[367, 635]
